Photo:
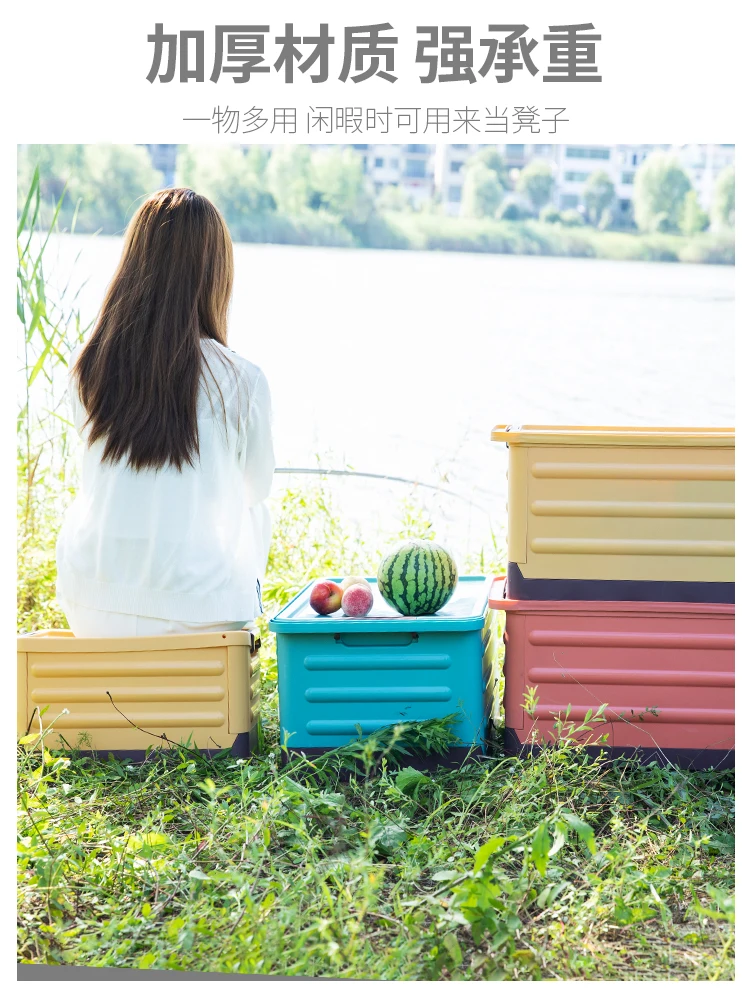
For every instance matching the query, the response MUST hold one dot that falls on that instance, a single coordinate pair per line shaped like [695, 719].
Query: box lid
[559, 434]
[662, 609]
[63, 641]
[465, 611]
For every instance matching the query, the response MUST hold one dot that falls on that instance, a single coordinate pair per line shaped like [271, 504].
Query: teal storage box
[337, 673]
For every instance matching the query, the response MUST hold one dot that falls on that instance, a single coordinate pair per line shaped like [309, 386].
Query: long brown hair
[139, 373]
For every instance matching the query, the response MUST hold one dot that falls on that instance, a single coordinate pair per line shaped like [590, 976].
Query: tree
[692, 218]
[482, 192]
[722, 210]
[289, 175]
[392, 198]
[340, 186]
[111, 182]
[659, 192]
[489, 157]
[598, 195]
[549, 214]
[571, 217]
[537, 182]
[57, 163]
[234, 179]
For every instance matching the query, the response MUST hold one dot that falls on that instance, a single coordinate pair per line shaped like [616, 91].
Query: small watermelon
[417, 578]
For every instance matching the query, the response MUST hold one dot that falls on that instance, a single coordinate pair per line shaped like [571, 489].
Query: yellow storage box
[125, 695]
[620, 513]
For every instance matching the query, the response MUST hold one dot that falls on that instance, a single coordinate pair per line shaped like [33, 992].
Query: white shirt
[188, 546]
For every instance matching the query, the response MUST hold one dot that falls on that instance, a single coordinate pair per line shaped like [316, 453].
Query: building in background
[438, 172]
[408, 166]
[163, 158]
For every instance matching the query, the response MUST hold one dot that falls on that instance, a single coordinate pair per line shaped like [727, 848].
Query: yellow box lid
[62, 641]
[552, 434]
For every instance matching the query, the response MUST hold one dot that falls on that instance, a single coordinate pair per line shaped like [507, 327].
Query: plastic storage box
[664, 671]
[620, 513]
[337, 674]
[199, 688]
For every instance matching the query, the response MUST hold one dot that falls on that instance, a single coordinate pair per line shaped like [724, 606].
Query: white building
[574, 163]
[408, 166]
[425, 172]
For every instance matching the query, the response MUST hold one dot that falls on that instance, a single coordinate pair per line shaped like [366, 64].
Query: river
[400, 363]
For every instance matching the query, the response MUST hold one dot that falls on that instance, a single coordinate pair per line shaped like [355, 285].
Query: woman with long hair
[168, 532]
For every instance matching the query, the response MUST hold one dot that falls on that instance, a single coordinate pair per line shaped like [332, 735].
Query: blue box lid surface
[465, 611]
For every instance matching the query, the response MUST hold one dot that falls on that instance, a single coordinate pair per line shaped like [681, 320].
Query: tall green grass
[50, 326]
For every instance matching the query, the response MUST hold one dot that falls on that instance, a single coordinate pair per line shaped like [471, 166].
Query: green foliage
[393, 198]
[340, 185]
[482, 192]
[598, 195]
[571, 217]
[311, 540]
[709, 248]
[692, 217]
[555, 866]
[571, 239]
[722, 210]
[537, 182]
[57, 164]
[90, 186]
[549, 214]
[659, 191]
[489, 157]
[117, 179]
[234, 179]
[290, 178]
[322, 198]
[48, 332]
[513, 212]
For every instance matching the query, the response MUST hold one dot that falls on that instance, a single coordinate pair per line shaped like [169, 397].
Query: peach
[357, 600]
[325, 597]
[349, 581]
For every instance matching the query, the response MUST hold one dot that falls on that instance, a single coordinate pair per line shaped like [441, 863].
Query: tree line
[300, 194]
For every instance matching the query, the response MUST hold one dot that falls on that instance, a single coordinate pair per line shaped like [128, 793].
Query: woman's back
[185, 544]
[168, 523]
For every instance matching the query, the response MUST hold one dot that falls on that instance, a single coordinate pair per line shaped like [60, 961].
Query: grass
[551, 868]
[554, 867]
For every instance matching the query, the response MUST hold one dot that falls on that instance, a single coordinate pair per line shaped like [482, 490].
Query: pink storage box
[664, 671]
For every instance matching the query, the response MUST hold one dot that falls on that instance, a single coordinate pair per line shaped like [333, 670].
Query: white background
[668, 67]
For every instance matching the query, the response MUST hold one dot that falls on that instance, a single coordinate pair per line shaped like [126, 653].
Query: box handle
[376, 640]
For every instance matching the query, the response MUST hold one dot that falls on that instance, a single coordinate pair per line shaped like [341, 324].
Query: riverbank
[434, 232]
[426, 231]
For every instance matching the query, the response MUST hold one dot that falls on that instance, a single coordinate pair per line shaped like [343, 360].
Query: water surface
[401, 362]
